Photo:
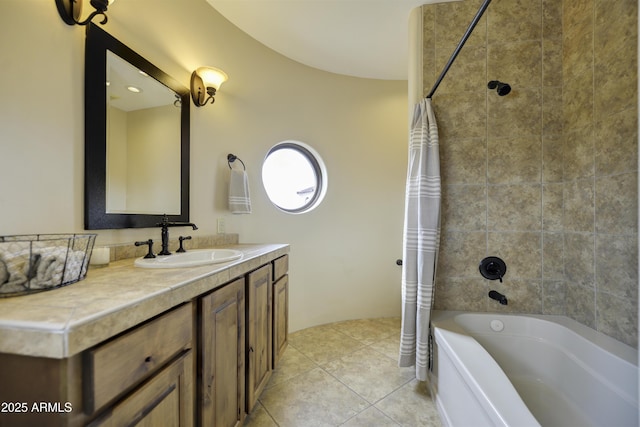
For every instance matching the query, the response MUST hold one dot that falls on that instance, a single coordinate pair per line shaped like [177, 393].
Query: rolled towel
[4, 272]
[49, 269]
[53, 263]
[239, 199]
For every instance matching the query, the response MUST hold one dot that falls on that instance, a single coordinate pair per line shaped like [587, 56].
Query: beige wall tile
[461, 115]
[514, 160]
[554, 297]
[469, 73]
[552, 256]
[464, 207]
[523, 296]
[579, 259]
[518, 63]
[515, 20]
[578, 153]
[461, 253]
[519, 113]
[451, 20]
[552, 207]
[521, 251]
[552, 117]
[461, 293]
[617, 318]
[552, 158]
[558, 154]
[581, 304]
[579, 201]
[616, 142]
[463, 161]
[575, 13]
[617, 204]
[514, 207]
[616, 265]
[551, 19]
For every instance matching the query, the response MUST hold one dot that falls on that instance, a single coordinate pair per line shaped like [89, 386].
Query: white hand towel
[239, 200]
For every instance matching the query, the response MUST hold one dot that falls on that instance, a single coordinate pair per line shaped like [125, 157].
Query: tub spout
[498, 297]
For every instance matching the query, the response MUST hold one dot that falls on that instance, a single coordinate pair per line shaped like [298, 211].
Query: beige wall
[343, 253]
[545, 177]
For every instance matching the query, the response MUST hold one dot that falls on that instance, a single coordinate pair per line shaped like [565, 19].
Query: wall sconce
[70, 10]
[205, 82]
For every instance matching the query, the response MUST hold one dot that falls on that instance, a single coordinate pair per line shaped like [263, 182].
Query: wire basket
[32, 263]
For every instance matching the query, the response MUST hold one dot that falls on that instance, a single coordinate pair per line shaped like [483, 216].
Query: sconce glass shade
[205, 82]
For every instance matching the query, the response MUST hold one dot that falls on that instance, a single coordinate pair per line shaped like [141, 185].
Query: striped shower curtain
[421, 238]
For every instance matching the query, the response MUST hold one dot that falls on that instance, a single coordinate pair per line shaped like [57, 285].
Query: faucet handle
[181, 239]
[493, 268]
[150, 243]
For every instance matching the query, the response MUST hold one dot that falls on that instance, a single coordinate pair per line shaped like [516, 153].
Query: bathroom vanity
[125, 346]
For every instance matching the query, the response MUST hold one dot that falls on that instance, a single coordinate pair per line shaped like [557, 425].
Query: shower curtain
[421, 238]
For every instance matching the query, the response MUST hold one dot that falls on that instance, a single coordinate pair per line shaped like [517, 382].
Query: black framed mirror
[136, 138]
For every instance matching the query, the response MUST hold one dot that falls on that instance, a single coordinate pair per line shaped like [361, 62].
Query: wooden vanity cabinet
[164, 400]
[145, 376]
[259, 333]
[280, 307]
[204, 362]
[221, 377]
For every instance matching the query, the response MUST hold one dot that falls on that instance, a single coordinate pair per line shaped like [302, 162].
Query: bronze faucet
[164, 225]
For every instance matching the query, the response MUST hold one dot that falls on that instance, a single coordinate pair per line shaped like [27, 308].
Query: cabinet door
[166, 399]
[221, 370]
[259, 332]
[280, 317]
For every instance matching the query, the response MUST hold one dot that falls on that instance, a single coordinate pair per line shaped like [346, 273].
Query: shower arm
[463, 40]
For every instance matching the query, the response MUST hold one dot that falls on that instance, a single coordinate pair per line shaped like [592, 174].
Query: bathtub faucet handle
[494, 268]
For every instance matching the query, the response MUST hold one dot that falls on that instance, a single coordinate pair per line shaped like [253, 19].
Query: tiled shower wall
[544, 177]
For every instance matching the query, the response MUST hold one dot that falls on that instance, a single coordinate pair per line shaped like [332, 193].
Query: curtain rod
[463, 40]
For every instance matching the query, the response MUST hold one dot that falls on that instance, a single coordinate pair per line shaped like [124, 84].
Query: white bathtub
[528, 370]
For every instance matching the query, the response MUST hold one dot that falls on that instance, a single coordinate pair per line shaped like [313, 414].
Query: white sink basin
[192, 258]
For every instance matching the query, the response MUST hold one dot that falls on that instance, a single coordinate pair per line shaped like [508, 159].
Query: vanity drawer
[119, 364]
[280, 267]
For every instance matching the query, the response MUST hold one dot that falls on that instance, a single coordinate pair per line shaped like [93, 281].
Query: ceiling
[362, 38]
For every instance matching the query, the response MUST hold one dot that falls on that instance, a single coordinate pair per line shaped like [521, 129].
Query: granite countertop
[63, 322]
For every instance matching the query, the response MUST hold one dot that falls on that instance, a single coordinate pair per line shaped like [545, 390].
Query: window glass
[294, 177]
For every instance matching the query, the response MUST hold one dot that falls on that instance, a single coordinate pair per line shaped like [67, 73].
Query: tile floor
[344, 374]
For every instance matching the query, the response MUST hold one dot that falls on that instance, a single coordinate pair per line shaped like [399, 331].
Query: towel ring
[232, 158]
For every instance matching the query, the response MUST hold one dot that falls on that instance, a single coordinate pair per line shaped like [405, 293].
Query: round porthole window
[294, 177]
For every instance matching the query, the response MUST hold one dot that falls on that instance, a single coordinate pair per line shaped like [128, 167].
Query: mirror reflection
[136, 138]
[143, 150]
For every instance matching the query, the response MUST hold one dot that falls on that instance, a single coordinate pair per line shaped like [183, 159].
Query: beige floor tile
[389, 346]
[370, 417]
[411, 406]
[370, 374]
[311, 399]
[259, 418]
[323, 344]
[368, 331]
[329, 377]
[293, 363]
[395, 322]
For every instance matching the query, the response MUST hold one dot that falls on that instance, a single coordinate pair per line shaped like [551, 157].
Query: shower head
[502, 88]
